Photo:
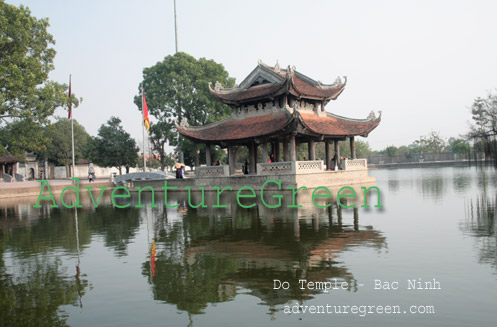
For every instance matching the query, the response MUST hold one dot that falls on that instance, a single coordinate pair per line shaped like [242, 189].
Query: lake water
[216, 267]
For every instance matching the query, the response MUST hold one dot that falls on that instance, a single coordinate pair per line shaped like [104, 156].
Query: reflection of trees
[432, 186]
[461, 181]
[32, 296]
[117, 226]
[480, 223]
[207, 256]
[32, 293]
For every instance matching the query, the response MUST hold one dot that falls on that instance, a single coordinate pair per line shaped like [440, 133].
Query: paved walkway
[33, 188]
[51, 182]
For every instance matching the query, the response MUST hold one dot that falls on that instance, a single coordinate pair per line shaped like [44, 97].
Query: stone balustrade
[354, 164]
[275, 168]
[212, 171]
[289, 167]
[310, 166]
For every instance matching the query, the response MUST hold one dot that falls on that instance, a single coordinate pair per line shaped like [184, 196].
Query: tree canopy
[113, 147]
[484, 112]
[59, 143]
[177, 88]
[26, 59]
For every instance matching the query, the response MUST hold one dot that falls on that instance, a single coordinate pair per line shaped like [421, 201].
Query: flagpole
[175, 28]
[181, 154]
[72, 128]
[143, 131]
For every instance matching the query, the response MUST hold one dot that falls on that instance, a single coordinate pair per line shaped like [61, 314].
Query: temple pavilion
[278, 109]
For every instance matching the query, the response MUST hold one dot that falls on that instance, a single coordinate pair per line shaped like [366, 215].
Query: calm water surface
[215, 267]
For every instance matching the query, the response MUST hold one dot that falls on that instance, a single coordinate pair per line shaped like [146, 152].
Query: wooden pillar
[230, 159]
[327, 153]
[286, 153]
[293, 148]
[352, 147]
[311, 147]
[208, 160]
[251, 157]
[337, 151]
[356, 218]
[197, 156]
[255, 157]
[322, 106]
[264, 152]
[276, 151]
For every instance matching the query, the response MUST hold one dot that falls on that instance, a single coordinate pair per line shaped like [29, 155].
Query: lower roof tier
[260, 126]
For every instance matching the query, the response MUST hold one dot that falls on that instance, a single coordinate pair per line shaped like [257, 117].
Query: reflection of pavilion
[279, 109]
[225, 252]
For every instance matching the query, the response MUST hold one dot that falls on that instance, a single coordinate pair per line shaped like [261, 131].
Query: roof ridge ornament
[277, 67]
[290, 71]
[184, 122]
[218, 86]
[338, 82]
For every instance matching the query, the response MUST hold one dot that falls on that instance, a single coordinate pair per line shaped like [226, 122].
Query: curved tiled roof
[278, 82]
[231, 129]
[334, 125]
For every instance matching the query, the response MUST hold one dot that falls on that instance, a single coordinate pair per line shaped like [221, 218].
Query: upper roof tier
[266, 82]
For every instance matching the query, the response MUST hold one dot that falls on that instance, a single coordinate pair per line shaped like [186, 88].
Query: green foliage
[59, 144]
[362, 149]
[26, 59]
[113, 147]
[391, 151]
[484, 111]
[21, 136]
[177, 88]
[460, 146]
[430, 143]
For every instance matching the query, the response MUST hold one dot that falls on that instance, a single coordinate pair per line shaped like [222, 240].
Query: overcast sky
[420, 62]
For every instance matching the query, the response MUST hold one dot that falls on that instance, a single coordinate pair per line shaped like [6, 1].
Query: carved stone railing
[271, 168]
[355, 164]
[313, 166]
[212, 171]
[289, 167]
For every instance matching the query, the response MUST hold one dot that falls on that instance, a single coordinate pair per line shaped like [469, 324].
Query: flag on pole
[146, 120]
[70, 102]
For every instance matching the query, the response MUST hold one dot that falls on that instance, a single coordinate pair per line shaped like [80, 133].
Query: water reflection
[34, 282]
[209, 256]
[480, 223]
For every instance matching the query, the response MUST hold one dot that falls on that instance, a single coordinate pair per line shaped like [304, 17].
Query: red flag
[146, 120]
[70, 102]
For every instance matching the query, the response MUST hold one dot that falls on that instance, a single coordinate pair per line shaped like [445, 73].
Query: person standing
[91, 173]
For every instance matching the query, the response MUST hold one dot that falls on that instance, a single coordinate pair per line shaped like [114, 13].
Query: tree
[177, 88]
[460, 146]
[26, 59]
[484, 111]
[59, 143]
[432, 142]
[362, 149]
[21, 136]
[391, 151]
[113, 147]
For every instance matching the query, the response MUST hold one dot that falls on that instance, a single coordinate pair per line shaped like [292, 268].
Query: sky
[422, 63]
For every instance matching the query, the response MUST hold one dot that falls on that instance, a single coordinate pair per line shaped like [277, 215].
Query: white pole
[72, 135]
[175, 28]
[181, 154]
[143, 132]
